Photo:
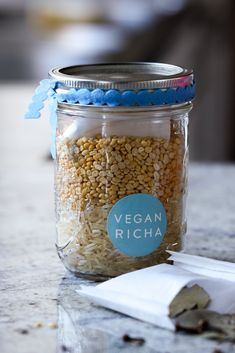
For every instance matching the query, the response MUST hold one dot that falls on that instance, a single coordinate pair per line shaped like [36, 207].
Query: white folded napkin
[147, 294]
[204, 265]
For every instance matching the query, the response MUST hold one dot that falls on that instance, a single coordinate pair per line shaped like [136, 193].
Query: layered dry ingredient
[93, 173]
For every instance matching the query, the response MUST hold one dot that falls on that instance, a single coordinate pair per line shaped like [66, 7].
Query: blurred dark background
[200, 34]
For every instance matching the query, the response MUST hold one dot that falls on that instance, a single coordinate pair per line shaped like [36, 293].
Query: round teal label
[137, 224]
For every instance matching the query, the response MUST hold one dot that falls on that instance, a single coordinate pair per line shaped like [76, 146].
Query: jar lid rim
[122, 76]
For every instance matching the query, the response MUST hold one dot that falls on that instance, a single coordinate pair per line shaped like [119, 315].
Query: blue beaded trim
[98, 97]
[114, 98]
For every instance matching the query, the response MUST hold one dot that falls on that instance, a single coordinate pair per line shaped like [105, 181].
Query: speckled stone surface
[36, 293]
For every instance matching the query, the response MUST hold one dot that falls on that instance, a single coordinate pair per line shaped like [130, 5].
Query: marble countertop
[39, 308]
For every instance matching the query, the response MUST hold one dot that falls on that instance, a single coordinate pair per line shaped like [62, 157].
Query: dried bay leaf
[194, 297]
[139, 341]
[194, 321]
[209, 323]
[212, 335]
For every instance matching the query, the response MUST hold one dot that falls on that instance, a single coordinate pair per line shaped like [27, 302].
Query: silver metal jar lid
[123, 76]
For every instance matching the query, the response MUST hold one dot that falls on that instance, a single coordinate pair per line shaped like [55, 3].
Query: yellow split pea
[100, 170]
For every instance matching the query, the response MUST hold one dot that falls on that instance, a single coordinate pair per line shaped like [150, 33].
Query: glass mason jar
[121, 165]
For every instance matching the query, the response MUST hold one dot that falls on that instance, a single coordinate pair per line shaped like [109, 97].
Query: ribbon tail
[45, 88]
